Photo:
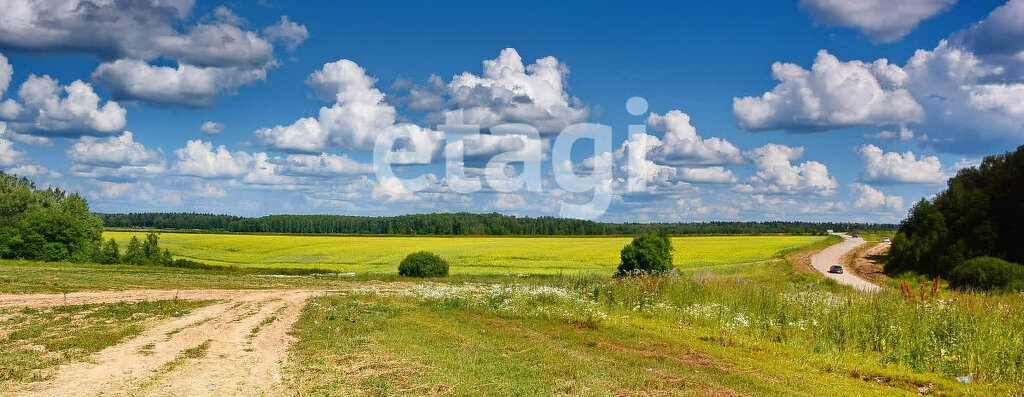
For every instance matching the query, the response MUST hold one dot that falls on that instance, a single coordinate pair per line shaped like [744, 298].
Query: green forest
[455, 224]
[46, 225]
[972, 229]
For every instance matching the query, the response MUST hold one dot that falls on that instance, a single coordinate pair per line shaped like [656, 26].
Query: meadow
[755, 324]
[467, 255]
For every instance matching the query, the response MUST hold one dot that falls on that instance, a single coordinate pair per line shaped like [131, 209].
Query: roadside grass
[978, 335]
[33, 341]
[468, 341]
[467, 255]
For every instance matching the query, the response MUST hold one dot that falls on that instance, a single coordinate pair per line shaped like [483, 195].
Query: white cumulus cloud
[873, 199]
[47, 109]
[833, 94]
[358, 116]
[200, 159]
[892, 167]
[776, 173]
[511, 92]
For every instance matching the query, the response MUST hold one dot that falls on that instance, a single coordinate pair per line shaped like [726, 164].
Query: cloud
[883, 21]
[104, 29]
[429, 96]
[511, 92]
[1001, 33]
[903, 135]
[509, 202]
[355, 120]
[47, 109]
[323, 165]
[873, 199]
[199, 159]
[8, 155]
[185, 85]
[212, 128]
[264, 172]
[962, 96]
[287, 33]
[707, 175]
[777, 174]
[116, 158]
[6, 71]
[971, 102]
[832, 95]
[891, 167]
[136, 192]
[220, 44]
[681, 144]
[112, 152]
[213, 56]
[31, 170]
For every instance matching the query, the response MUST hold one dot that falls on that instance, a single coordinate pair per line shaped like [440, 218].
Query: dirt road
[833, 255]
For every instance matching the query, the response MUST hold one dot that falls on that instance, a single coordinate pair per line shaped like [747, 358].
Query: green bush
[987, 273]
[423, 264]
[647, 253]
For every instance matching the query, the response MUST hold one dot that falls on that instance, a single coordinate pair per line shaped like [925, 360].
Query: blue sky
[831, 132]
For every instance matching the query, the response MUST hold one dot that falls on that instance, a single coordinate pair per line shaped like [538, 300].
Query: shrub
[986, 273]
[423, 264]
[647, 253]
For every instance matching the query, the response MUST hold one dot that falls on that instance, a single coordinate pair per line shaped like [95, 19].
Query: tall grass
[980, 335]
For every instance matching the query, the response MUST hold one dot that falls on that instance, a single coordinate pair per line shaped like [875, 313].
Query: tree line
[458, 224]
[979, 215]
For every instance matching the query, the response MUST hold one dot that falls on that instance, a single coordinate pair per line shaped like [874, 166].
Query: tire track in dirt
[245, 333]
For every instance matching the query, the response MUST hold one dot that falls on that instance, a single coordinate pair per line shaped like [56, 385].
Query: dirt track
[834, 255]
[236, 346]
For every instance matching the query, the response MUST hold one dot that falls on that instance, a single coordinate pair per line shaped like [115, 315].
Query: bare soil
[236, 346]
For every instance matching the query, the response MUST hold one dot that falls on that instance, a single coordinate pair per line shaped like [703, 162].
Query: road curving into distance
[833, 256]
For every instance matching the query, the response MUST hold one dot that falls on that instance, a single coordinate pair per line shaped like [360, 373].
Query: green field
[467, 255]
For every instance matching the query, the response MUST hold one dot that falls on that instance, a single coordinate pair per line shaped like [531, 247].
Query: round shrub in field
[986, 273]
[647, 253]
[423, 264]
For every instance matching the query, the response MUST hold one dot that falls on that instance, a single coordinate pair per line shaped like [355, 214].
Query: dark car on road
[836, 269]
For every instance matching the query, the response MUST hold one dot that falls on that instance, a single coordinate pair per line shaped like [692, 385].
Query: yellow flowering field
[467, 255]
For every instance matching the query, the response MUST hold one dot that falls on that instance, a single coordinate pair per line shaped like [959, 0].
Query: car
[886, 240]
[837, 269]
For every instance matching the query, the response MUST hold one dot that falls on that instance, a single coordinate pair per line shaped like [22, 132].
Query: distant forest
[460, 224]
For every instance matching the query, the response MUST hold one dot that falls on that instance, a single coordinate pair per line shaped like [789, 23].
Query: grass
[467, 255]
[18, 276]
[32, 341]
[529, 340]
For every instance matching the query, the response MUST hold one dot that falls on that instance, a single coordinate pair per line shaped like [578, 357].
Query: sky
[817, 110]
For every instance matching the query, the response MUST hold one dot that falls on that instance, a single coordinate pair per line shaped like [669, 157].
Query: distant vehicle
[886, 240]
[836, 269]
[855, 235]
